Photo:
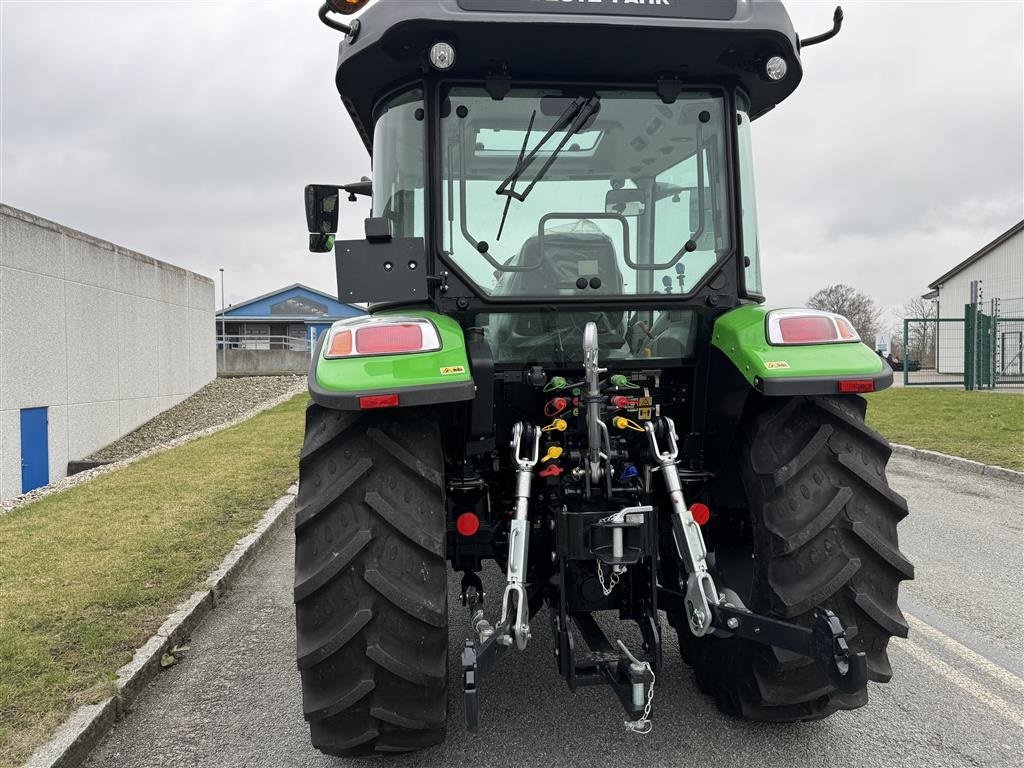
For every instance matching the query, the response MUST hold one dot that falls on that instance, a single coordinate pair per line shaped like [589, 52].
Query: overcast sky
[186, 130]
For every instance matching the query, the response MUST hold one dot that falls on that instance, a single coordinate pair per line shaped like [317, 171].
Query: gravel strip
[220, 401]
[220, 404]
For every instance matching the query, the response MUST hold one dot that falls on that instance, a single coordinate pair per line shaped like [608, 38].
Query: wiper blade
[522, 153]
[571, 120]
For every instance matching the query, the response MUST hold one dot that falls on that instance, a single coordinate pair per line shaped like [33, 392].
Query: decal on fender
[450, 370]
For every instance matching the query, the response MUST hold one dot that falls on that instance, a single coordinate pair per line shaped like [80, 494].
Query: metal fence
[933, 351]
[263, 341]
[982, 350]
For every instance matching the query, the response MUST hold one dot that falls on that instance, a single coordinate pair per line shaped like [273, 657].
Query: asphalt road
[957, 698]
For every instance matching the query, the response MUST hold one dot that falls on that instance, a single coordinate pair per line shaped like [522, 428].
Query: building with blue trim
[291, 318]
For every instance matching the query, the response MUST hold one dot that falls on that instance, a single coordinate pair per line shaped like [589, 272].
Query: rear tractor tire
[823, 523]
[371, 599]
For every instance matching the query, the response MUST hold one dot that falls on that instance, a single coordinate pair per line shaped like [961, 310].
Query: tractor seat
[569, 256]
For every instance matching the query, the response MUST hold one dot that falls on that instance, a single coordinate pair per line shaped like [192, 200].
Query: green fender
[808, 369]
[421, 378]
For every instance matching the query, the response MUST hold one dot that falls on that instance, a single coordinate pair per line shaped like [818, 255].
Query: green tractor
[568, 369]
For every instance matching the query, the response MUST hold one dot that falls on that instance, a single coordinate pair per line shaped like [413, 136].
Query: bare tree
[859, 308]
[921, 331]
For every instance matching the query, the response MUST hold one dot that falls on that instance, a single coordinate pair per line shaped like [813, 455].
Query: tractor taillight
[367, 402]
[389, 339]
[807, 330]
[382, 336]
[341, 344]
[809, 326]
[854, 386]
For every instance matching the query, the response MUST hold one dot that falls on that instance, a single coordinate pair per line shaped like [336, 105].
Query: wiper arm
[572, 120]
[522, 152]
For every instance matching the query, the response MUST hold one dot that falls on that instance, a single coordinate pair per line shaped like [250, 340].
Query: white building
[998, 271]
[95, 339]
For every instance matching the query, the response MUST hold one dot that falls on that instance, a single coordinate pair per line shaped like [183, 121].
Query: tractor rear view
[568, 370]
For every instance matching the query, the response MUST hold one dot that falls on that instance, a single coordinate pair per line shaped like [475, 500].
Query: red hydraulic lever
[552, 470]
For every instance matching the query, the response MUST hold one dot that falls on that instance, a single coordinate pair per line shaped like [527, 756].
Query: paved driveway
[957, 698]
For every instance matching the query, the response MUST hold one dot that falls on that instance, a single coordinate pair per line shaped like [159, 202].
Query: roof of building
[975, 257]
[259, 306]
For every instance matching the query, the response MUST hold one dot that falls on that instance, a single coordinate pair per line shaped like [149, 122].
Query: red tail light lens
[853, 386]
[382, 336]
[389, 339]
[807, 330]
[366, 402]
[808, 326]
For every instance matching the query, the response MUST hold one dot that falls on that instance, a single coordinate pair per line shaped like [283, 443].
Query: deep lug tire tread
[371, 582]
[824, 526]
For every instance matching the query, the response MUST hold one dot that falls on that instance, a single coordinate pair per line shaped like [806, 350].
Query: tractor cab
[537, 165]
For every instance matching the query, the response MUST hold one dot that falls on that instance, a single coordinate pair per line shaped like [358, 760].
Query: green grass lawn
[984, 426]
[88, 574]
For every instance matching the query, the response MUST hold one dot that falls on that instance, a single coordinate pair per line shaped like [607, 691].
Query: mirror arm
[363, 187]
[837, 24]
[322, 13]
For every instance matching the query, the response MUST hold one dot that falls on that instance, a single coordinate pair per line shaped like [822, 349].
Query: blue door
[35, 449]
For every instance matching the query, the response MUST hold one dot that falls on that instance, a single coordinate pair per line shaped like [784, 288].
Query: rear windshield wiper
[571, 120]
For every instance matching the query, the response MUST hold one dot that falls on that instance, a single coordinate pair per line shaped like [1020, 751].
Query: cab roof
[687, 42]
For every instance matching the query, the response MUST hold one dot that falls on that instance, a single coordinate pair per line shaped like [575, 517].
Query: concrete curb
[975, 467]
[87, 726]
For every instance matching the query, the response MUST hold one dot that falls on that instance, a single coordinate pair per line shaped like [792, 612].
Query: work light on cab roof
[568, 369]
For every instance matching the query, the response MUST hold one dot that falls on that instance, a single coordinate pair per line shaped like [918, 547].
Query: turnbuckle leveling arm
[524, 436]
[701, 592]
[825, 641]
[477, 660]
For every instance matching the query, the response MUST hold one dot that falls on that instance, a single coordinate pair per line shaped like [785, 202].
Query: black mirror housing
[322, 208]
[320, 242]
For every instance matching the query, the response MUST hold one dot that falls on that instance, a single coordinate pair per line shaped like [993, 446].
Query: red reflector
[467, 524]
[384, 339]
[701, 513]
[807, 329]
[851, 386]
[378, 401]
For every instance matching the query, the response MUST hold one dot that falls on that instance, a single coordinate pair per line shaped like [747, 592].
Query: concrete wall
[262, 361]
[104, 337]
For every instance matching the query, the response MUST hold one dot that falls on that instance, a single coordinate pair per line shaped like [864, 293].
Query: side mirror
[321, 243]
[321, 212]
[625, 202]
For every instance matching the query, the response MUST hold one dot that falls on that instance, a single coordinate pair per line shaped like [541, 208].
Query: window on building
[298, 306]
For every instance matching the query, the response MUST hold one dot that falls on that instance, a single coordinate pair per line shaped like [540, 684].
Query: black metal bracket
[601, 663]
[824, 642]
[477, 662]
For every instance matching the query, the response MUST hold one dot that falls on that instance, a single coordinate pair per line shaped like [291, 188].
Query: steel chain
[643, 726]
[607, 590]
